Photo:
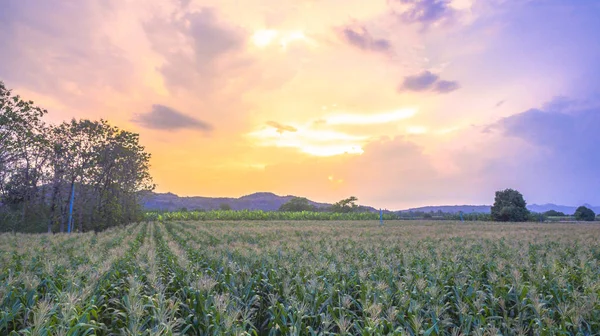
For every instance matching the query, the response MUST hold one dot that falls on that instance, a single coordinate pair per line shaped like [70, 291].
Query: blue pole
[380, 216]
[71, 208]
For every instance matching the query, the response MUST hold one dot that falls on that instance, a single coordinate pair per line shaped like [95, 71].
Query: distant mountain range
[267, 201]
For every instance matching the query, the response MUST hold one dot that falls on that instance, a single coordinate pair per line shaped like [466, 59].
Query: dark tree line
[41, 164]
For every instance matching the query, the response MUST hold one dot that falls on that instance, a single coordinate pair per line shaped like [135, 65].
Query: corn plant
[312, 277]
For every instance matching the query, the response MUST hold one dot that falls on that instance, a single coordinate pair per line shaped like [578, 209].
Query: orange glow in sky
[400, 103]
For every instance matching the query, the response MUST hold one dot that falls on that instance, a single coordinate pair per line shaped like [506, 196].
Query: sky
[401, 103]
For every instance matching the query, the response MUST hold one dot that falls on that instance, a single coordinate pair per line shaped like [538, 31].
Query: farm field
[304, 278]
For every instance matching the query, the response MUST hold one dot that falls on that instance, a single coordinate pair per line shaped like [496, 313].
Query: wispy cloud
[165, 118]
[360, 37]
[281, 128]
[203, 40]
[426, 11]
[427, 81]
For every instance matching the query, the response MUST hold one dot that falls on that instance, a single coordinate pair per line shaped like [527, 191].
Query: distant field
[304, 278]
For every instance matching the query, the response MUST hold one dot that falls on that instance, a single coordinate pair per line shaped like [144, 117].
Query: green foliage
[303, 278]
[536, 217]
[509, 206]
[257, 215]
[40, 164]
[345, 205]
[297, 204]
[584, 214]
[224, 206]
[554, 213]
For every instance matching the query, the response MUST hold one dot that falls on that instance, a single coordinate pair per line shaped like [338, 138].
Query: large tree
[24, 149]
[41, 165]
[584, 214]
[509, 206]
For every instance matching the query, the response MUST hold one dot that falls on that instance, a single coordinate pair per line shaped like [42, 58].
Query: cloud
[427, 81]
[64, 54]
[421, 82]
[556, 159]
[426, 11]
[165, 118]
[444, 86]
[193, 59]
[281, 128]
[361, 38]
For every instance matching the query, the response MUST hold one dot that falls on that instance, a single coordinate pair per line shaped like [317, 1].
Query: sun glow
[416, 130]
[313, 142]
[264, 37]
[369, 119]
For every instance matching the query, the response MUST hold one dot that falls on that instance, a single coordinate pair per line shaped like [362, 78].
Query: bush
[509, 206]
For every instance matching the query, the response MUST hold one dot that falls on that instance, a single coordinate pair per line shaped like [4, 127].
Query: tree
[41, 164]
[509, 206]
[345, 205]
[24, 150]
[224, 206]
[584, 214]
[554, 213]
[297, 204]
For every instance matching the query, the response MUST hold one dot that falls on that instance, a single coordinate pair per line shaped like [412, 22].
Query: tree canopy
[297, 204]
[345, 205]
[224, 206]
[554, 213]
[41, 165]
[584, 213]
[509, 206]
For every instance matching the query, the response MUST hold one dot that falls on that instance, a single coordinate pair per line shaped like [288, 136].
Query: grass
[304, 278]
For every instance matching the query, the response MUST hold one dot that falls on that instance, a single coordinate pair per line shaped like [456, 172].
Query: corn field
[304, 278]
[243, 215]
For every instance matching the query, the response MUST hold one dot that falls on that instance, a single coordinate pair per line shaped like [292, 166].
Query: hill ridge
[269, 201]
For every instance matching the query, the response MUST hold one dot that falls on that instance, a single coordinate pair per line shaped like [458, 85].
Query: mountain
[452, 209]
[258, 201]
[267, 201]
[568, 210]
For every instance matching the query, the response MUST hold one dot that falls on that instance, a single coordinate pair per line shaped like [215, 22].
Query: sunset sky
[400, 103]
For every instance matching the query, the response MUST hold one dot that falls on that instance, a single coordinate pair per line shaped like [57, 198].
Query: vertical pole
[461, 216]
[380, 217]
[71, 209]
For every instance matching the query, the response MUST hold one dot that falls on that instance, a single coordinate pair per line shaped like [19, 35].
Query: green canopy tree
[41, 164]
[554, 213]
[509, 206]
[584, 213]
[297, 204]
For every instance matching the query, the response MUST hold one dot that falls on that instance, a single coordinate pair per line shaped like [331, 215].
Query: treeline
[91, 167]
[300, 208]
[233, 215]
